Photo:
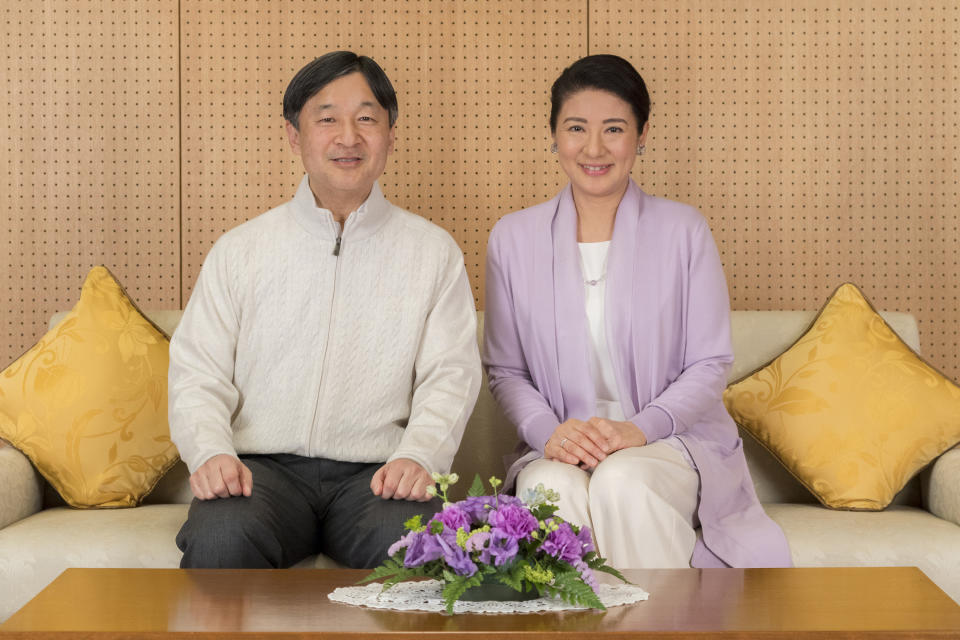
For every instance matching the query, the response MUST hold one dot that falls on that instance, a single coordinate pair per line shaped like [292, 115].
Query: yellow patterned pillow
[849, 409]
[88, 403]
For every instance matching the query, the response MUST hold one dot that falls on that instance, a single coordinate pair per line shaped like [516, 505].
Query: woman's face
[597, 137]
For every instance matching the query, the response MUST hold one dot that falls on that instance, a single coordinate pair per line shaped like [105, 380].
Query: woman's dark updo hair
[607, 73]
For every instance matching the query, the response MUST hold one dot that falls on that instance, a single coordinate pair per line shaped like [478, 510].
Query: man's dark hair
[327, 68]
[607, 73]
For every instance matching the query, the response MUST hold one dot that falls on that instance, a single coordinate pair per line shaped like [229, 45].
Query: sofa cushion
[899, 536]
[88, 403]
[35, 550]
[849, 409]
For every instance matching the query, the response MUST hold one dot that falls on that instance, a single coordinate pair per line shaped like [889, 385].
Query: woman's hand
[586, 444]
[576, 442]
[618, 435]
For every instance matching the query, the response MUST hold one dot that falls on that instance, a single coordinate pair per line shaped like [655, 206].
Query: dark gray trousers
[298, 507]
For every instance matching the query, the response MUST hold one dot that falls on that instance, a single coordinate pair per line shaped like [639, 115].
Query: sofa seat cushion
[35, 550]
[898, 536]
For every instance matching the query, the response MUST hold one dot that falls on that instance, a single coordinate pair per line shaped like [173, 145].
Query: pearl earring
[553, 148]
[641, 149]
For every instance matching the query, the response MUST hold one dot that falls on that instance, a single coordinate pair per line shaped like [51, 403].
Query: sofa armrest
[942, 496]
[21, 487]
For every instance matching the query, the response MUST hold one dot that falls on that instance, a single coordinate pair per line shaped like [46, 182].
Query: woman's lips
[595, 169]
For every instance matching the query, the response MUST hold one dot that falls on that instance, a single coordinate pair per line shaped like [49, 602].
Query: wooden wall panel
[820, 138]
[472, 79]
[88, 156]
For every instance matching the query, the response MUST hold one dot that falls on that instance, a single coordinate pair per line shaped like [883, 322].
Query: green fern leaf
[455, 588]
[476, 489]
[389, 568]
[611, 571]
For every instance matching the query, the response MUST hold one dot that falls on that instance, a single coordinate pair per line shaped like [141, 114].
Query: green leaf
[390, 567]
[455, 588]
[611, 571]
[512, 578]
[575, 591]
[476, 489]
[436, 527]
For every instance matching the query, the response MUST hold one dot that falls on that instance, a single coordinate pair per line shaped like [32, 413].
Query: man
[326, 363]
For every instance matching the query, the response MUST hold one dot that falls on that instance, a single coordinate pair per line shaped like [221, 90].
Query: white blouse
[593, 267]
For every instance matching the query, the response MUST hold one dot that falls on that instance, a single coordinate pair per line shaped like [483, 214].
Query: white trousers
[641, 504]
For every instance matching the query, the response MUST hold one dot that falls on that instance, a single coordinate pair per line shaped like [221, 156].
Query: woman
[607, 344]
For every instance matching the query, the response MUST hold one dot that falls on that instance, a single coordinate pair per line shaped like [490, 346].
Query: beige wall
[819, 138]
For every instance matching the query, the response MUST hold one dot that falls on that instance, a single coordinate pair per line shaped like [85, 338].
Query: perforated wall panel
[88, 157]
[820, 139]
[472, 78]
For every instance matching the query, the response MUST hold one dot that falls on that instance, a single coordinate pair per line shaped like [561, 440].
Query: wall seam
[180, 153]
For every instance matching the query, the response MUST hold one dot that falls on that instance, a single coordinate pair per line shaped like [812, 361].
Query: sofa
[40, 537]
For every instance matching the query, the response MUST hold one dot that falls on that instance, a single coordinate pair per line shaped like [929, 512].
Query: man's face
[343, 140]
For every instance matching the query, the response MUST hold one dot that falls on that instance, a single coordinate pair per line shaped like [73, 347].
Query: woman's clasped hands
[587, 443]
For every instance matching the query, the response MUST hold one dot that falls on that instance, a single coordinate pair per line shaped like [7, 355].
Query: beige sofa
[39, 537]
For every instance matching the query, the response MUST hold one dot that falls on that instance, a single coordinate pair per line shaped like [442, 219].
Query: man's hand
[401, 479]
[221, 476]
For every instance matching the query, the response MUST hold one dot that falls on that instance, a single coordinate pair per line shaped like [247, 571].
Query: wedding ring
[561, 443]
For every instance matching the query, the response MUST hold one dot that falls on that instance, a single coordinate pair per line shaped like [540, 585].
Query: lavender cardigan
[668, 327]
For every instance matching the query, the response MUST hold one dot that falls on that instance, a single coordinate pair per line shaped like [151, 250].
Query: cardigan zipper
[327, 346]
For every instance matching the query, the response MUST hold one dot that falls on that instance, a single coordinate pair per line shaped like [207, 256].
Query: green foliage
[436, 527]
[415, 523]
[595, 562]
[476, 489]
[390, 567]
[544, 511]
[573, 590]
[513, 577]
[611, 571]
[457, 586]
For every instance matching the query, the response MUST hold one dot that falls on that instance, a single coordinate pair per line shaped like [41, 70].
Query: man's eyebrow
[365, 103]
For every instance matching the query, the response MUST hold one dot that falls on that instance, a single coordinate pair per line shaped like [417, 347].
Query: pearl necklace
[594, 281]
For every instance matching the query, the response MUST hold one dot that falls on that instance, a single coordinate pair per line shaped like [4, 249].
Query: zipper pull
[336, 248]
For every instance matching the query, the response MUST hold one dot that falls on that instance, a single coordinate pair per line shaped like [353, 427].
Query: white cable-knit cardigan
[365, 356]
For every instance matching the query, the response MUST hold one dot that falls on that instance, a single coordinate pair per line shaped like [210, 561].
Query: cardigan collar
[571, 330]
[364, 222]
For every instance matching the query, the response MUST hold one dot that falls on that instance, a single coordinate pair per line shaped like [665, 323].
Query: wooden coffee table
[740, 603]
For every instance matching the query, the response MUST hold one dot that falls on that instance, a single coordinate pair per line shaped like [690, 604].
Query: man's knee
[224, 533]
[381, 526]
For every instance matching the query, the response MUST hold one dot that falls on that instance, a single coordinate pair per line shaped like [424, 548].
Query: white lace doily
[425, 596]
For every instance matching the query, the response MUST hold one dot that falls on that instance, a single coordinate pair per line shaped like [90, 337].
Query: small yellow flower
[537, 574]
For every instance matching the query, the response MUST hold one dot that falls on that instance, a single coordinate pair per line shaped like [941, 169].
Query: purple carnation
[453, 518]
[586, 540]
[515, 520]
[423, 548]
[563, 544]
[479, 507]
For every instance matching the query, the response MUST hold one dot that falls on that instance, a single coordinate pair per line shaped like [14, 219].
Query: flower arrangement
[497, 539]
